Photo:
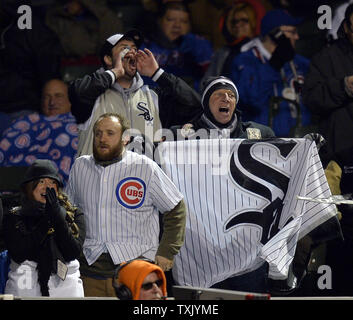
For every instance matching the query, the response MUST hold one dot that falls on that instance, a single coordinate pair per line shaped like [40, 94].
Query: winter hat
[276, 18]
[133, 274]
[42, 169]
[212, 84]
[112, 41]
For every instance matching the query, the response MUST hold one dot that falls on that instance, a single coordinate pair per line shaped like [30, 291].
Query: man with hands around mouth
[118, 88]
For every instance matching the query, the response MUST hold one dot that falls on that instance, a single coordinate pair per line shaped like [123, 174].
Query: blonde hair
[27, 191]
[70, 213]
[242, 7]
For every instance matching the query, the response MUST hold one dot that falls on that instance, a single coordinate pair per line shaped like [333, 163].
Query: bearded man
[122, 194]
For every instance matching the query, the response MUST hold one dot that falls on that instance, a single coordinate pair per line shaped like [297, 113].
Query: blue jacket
[258, 82]
[187, 58]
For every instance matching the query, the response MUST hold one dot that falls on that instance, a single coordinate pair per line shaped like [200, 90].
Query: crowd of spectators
[280, 72]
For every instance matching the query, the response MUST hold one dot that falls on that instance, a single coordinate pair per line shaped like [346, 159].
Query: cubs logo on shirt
[130, 192]
[23, 141]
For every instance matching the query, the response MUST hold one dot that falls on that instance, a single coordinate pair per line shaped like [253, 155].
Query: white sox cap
[112, 41]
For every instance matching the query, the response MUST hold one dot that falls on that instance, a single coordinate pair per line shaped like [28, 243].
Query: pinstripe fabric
[124, 229]
[212, 250]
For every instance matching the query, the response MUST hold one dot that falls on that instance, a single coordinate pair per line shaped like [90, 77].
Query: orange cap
[133, 274]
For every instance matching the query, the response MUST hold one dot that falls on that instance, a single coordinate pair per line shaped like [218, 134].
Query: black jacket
[178, 102]
[324, 94]
[28, 236]
[240, 131]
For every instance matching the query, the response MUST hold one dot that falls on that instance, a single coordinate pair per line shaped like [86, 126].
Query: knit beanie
[133, 274]
[42, 169]
[210, 85]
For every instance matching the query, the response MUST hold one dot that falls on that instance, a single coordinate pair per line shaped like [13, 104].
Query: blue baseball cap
[276, 18]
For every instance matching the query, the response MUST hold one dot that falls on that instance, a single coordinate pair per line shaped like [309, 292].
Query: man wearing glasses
[140, 279]
[269, 76]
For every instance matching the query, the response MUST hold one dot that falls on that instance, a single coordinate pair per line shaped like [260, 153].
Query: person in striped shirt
[122, 193]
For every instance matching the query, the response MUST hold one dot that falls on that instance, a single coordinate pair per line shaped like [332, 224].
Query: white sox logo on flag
[248, 213]
[130, 192]
[269, 218]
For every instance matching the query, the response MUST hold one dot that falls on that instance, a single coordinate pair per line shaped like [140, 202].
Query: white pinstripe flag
[242, 204]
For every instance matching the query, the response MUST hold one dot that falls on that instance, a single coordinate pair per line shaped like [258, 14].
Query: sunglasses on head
[149, 285]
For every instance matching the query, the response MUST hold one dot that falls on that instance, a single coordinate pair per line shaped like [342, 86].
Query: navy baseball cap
[276, 18]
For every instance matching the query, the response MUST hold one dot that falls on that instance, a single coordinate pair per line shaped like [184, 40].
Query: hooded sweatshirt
[138, 104]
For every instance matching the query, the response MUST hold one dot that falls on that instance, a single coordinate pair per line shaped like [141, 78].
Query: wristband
[157, 74]
[112, 74]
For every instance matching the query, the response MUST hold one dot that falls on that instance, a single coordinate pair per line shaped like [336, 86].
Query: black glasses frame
[149, 285]
[234, 22]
